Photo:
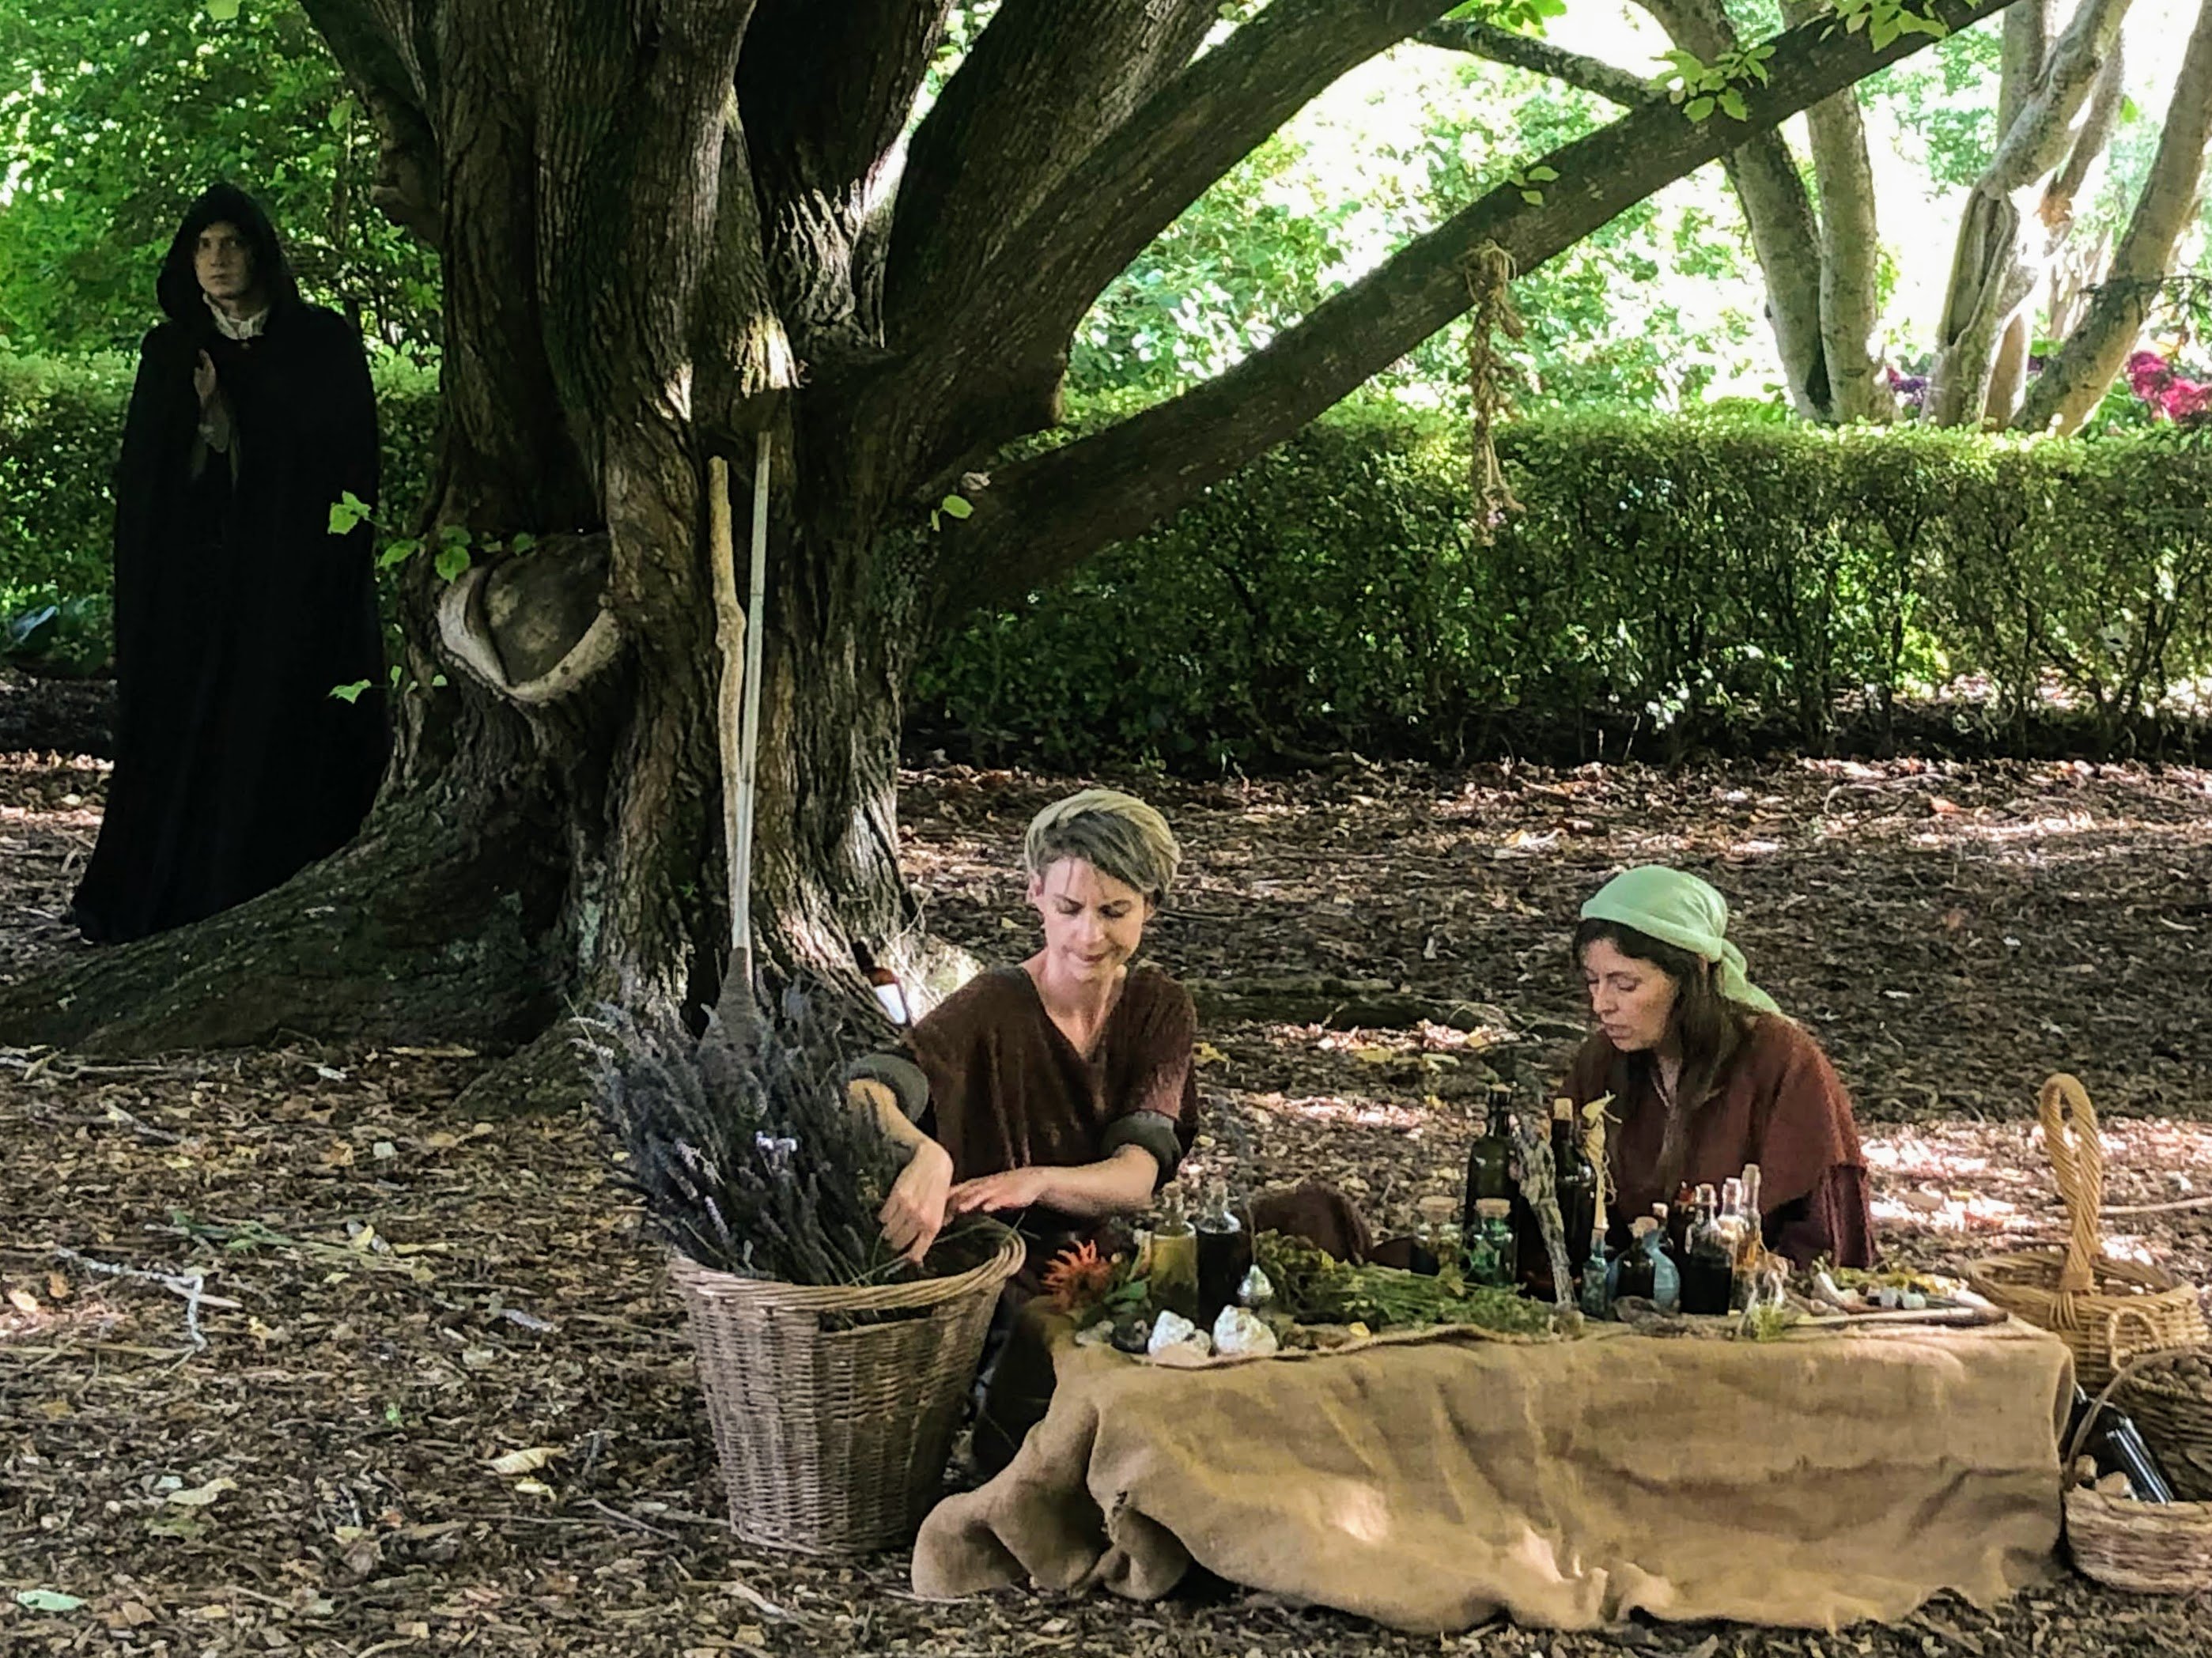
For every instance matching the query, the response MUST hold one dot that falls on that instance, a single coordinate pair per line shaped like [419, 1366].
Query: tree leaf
[1699, 108]
[349, 693]
[398, 552]
[47, 1600]
[223, 11]
[451, 561]
[1732, 102]
[1534, 198]
[955, 507]
[200, 1495]
[347, 511]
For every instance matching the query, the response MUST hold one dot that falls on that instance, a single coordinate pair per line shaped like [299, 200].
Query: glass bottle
[1751, 1248]
[1224, 1254]
[1434, 1243]
[1709, 1272]
[1174, 1277]
[1677, 1223]
[1490, 1245]
[1634, 1274]
[1597, 1298]
[1666, 1269]
[1489, 1162]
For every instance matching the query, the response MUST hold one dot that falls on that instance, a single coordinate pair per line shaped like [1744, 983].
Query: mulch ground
[392, 1297]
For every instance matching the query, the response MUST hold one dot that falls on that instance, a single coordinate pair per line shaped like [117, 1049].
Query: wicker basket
[833, 1440]
[2168, 1392]
[2073, 1291]
[2145, 1548]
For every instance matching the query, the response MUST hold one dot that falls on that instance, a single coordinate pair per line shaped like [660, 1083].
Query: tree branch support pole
[730, 640]
[741, 845]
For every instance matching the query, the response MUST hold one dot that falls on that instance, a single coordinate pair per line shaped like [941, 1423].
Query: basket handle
[2077, 1157]
[2142, 1361]
[2121, 1350]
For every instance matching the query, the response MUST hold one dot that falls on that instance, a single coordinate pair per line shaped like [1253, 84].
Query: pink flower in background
[2169, 395]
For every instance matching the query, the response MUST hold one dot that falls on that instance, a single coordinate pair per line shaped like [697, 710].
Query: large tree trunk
[2073, 381]
[658, 251]
[2043, 99]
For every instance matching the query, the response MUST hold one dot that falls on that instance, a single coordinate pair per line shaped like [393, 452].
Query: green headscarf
[1678, 908]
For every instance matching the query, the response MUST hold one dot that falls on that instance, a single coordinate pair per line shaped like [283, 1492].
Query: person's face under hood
[222, 259]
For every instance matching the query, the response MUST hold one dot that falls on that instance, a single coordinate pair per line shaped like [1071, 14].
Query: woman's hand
[1016, 1188]
[204, 380]
[916, 1211]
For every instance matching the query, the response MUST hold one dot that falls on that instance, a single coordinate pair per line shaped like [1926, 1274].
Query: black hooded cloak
[236, 610]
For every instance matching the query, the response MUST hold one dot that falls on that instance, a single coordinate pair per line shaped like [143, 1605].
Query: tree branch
[1003, 341]
[825, 91]
[2073, 381]
[1044, 85]
[376, 43]
[1540, 57]
[1043, 514]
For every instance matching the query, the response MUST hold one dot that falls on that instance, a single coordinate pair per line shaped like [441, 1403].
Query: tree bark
[1991, 272]
[1786, 231]
[2073, 381]
[1850, 249]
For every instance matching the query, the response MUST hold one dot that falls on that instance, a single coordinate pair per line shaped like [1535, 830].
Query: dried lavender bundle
[1534, 1170]
[742, 1144]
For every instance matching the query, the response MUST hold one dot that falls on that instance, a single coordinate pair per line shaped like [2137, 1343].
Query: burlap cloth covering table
[1430, 1484]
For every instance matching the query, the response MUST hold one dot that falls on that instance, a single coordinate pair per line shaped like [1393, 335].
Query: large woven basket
[2168, 1393]
[833, 1435]
[2073, 1291]
[2145, 1548]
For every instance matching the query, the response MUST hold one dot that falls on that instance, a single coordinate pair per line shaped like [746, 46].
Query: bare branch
[1003, 341]
[1045, 84]
[1538, 57]
[1043, 514]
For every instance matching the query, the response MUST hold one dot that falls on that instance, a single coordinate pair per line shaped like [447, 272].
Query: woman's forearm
[1120, 1183]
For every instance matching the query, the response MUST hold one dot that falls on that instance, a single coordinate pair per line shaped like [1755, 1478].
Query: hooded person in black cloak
[237, 611]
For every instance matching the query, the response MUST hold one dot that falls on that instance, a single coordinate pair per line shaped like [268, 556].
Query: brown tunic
[1780, 1104]
[994, 1081]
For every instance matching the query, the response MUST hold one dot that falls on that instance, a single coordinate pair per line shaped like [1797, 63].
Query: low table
[1429, 1483]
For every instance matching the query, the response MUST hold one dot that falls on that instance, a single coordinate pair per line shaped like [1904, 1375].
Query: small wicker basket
[2144, 1548]
[2168, 1392]
[833, 1435]
[2073, 1291]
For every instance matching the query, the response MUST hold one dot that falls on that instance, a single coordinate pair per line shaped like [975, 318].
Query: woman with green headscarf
[1707, 1075]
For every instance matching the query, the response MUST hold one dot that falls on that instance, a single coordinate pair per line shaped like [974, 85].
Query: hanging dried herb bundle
[742, 1144]
[1488, 269]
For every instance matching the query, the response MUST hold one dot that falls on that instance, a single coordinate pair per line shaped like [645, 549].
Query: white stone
[1239, 1332]
[1168, 1329]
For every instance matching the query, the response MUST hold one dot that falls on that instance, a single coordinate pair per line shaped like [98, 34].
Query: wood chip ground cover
[444, 1402]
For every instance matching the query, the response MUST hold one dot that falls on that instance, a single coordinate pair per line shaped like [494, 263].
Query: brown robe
[991, 1079]
[1779, 1103]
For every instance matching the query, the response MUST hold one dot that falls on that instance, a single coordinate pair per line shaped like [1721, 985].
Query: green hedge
[1690, 578]
[61, 428]
[1694, 578]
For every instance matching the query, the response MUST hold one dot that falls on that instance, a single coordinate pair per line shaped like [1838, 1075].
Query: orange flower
[1078, 1277]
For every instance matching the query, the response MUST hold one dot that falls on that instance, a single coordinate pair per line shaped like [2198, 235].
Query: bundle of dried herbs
[742, 1144]
[1316, 1288]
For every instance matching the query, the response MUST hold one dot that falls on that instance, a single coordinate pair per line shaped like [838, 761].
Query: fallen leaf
[23, 1301]
[533, 1488]
[526, 1461]
[54, 1409]
[200, 1495]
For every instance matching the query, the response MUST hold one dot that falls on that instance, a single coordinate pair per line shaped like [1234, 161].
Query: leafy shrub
[61, 429]
[1697, 575]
